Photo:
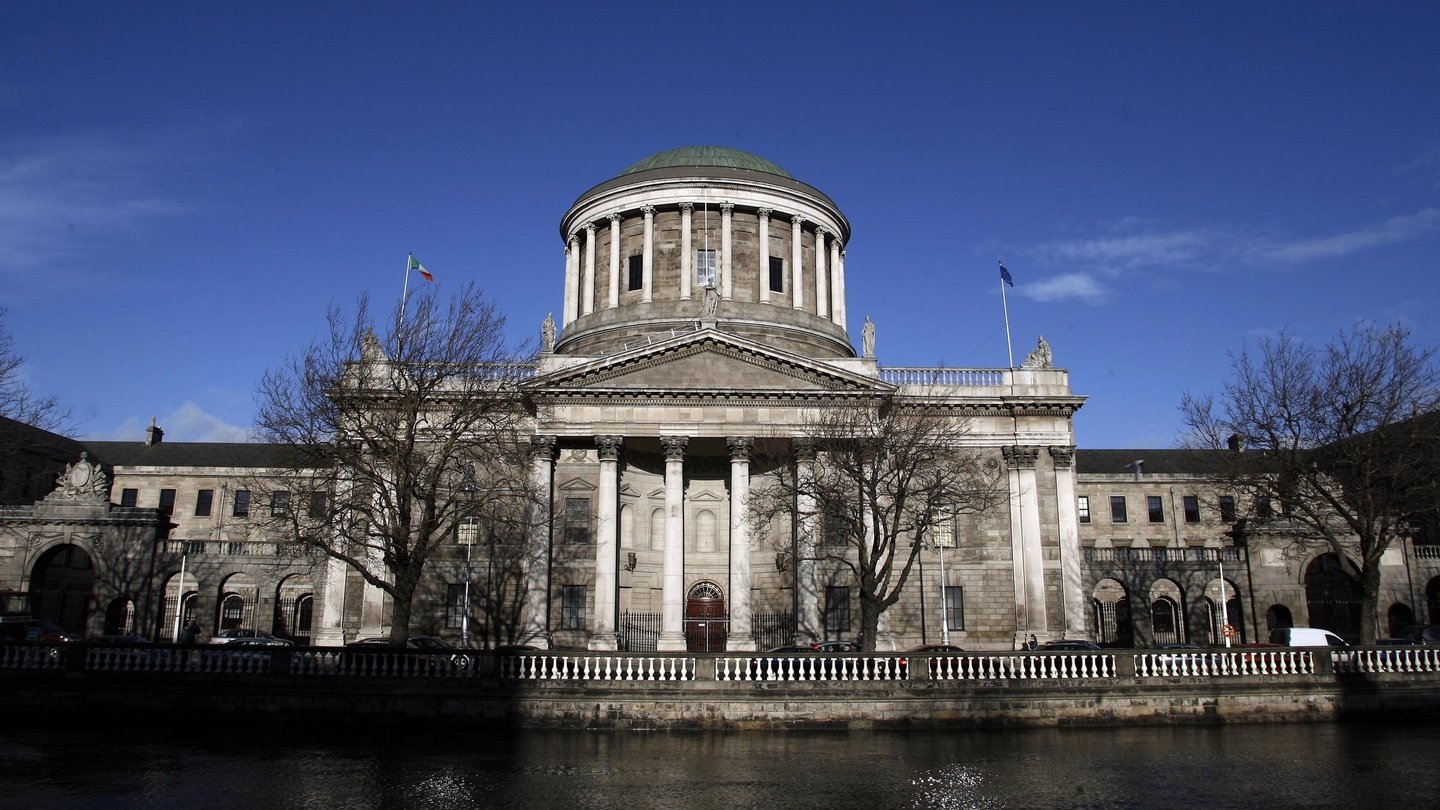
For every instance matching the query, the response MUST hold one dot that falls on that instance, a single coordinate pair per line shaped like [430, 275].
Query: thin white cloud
[65, 194]
[1066, 287]
[1391, 231]
[1122, 251]
[187, 423]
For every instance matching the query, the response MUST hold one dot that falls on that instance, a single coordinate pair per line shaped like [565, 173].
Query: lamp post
[944, 614]
[469, 528]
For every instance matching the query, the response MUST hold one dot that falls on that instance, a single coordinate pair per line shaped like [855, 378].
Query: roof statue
[1040, 356]
[547, 333]
[82, 481]
[867, 337]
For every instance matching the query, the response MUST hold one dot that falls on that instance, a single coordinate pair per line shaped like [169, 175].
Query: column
[1071, 594]
[588, 283]
[797, 290]
[602, 636]
[614, 260]
[727, 211]
[534, 621]
[648, 260]
[807, 597]
[572, 280]
[822, 278]
[741, 637]
[672, 594]
[1027, 559]
[330, 631]
[837, 285]
[687, 254]
[764, 215]
[372, 611]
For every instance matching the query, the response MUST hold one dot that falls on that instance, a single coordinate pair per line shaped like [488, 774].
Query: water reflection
[1236, 767]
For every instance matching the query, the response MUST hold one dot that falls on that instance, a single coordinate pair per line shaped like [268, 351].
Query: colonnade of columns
[829, 264]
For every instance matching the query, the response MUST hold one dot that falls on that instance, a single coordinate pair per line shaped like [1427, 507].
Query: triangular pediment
[706, 362]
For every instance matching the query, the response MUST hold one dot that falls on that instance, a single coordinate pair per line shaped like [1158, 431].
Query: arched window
[1163, 614]
[657, 530]
[1332, 598]
[1399, 617]
[1277, 616]
[705, 531]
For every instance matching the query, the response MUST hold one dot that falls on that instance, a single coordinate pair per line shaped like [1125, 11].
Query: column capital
[572, 245]
[609, 447]
[648, 210]
[1020, 457]
[821, 230]
[763, 213]
[542, 447]
[590, 226]
[726, 207]
[1064, 457]
[803, 448]
[797, 220]
[740, 447]
[674, 447]
[687, 206]
[614, 217]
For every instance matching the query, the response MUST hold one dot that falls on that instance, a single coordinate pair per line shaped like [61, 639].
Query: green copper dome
[723, 156]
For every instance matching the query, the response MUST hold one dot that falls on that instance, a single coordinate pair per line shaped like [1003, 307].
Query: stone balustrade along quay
[716, 691]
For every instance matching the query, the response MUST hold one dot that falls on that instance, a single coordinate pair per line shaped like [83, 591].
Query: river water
[1269, 766]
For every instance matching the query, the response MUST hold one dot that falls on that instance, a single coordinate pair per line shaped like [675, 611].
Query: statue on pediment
[711, 306]
[82, 481]
[547, 333]
[1040, 356]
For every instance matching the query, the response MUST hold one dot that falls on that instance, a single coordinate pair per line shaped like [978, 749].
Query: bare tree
[399, 431]
[885, 474]
[17, 400]
[1340, 441]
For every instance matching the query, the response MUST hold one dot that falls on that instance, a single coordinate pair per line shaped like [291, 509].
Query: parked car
[235, 633]
[1305, 637]
[1427, 634]
[1070, 644]
[837, 647]
[457, 660]
[937, 648]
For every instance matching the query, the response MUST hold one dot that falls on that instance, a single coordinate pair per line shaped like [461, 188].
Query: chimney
[153, 434]
[1236, 442]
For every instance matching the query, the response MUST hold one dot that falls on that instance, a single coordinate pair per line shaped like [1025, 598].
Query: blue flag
[1005, 274]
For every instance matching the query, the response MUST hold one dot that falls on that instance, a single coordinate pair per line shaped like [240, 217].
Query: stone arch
[657, 529]
[1110, 602]
[704, 530]
[294, 609]
[1226, 592]
[1397, 618]
[1278, 616]
[705, 620]
[627, 526]
[236, 607]
[1332, 599]
[185, 593]
[62, 587]
[120, 618]
[1167, 616]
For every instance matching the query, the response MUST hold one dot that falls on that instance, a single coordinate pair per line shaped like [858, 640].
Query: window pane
[203, 499]
[705, 267]
[572, 607]
[777, 274]
[129, 497]
[1227, 508]
[1155, 505]
[319, 505]
[955, 607]
[1082, 507]
[837, 610]
[279, 503]
[454, 604]
[636, 278]
[1117, 509]
[242, 503]
[1192, 509]
[577, 520]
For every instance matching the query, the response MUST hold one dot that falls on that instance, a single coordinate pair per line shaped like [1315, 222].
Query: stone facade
[661, 381]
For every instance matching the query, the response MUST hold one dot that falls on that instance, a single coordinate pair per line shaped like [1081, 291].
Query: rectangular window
[1117, 509]
[636, 275]
[705, 265]
[167, 501]
[955, 607]
[203, 499]
[455, 605]
[942, 528]
[1262, 507]
[467, 531]
[242, 503]
[129, 497]
[319, 506]
[836, 530]
[1192, 508]
[1227, 508]
[279, 504]
[837, 611]
[572, 607]
[777, 274]
[1082, 508]
[577, 520]
[1155, 505]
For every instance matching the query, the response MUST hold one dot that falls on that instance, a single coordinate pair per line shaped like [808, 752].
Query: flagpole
[404, 292]
[1005, 302]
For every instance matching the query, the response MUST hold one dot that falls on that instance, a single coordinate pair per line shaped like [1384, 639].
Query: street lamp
[469, 529]
[944, 535]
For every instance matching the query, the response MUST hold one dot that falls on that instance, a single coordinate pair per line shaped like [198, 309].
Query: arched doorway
[294, 606]
[1111, 604]
[705, 619]
[239, 597]
[1167, 613]
[1220, 592]
[120, 618]
[61, 584]
[1331, 598]
[1277, 616]
[1432, 600]
[1399, 617]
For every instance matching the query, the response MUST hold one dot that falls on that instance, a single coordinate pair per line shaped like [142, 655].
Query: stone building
[703, 310]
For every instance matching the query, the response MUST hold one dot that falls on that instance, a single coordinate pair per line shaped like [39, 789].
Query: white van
[1305, 637]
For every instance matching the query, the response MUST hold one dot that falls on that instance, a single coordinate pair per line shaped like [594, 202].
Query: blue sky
[185, 187]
